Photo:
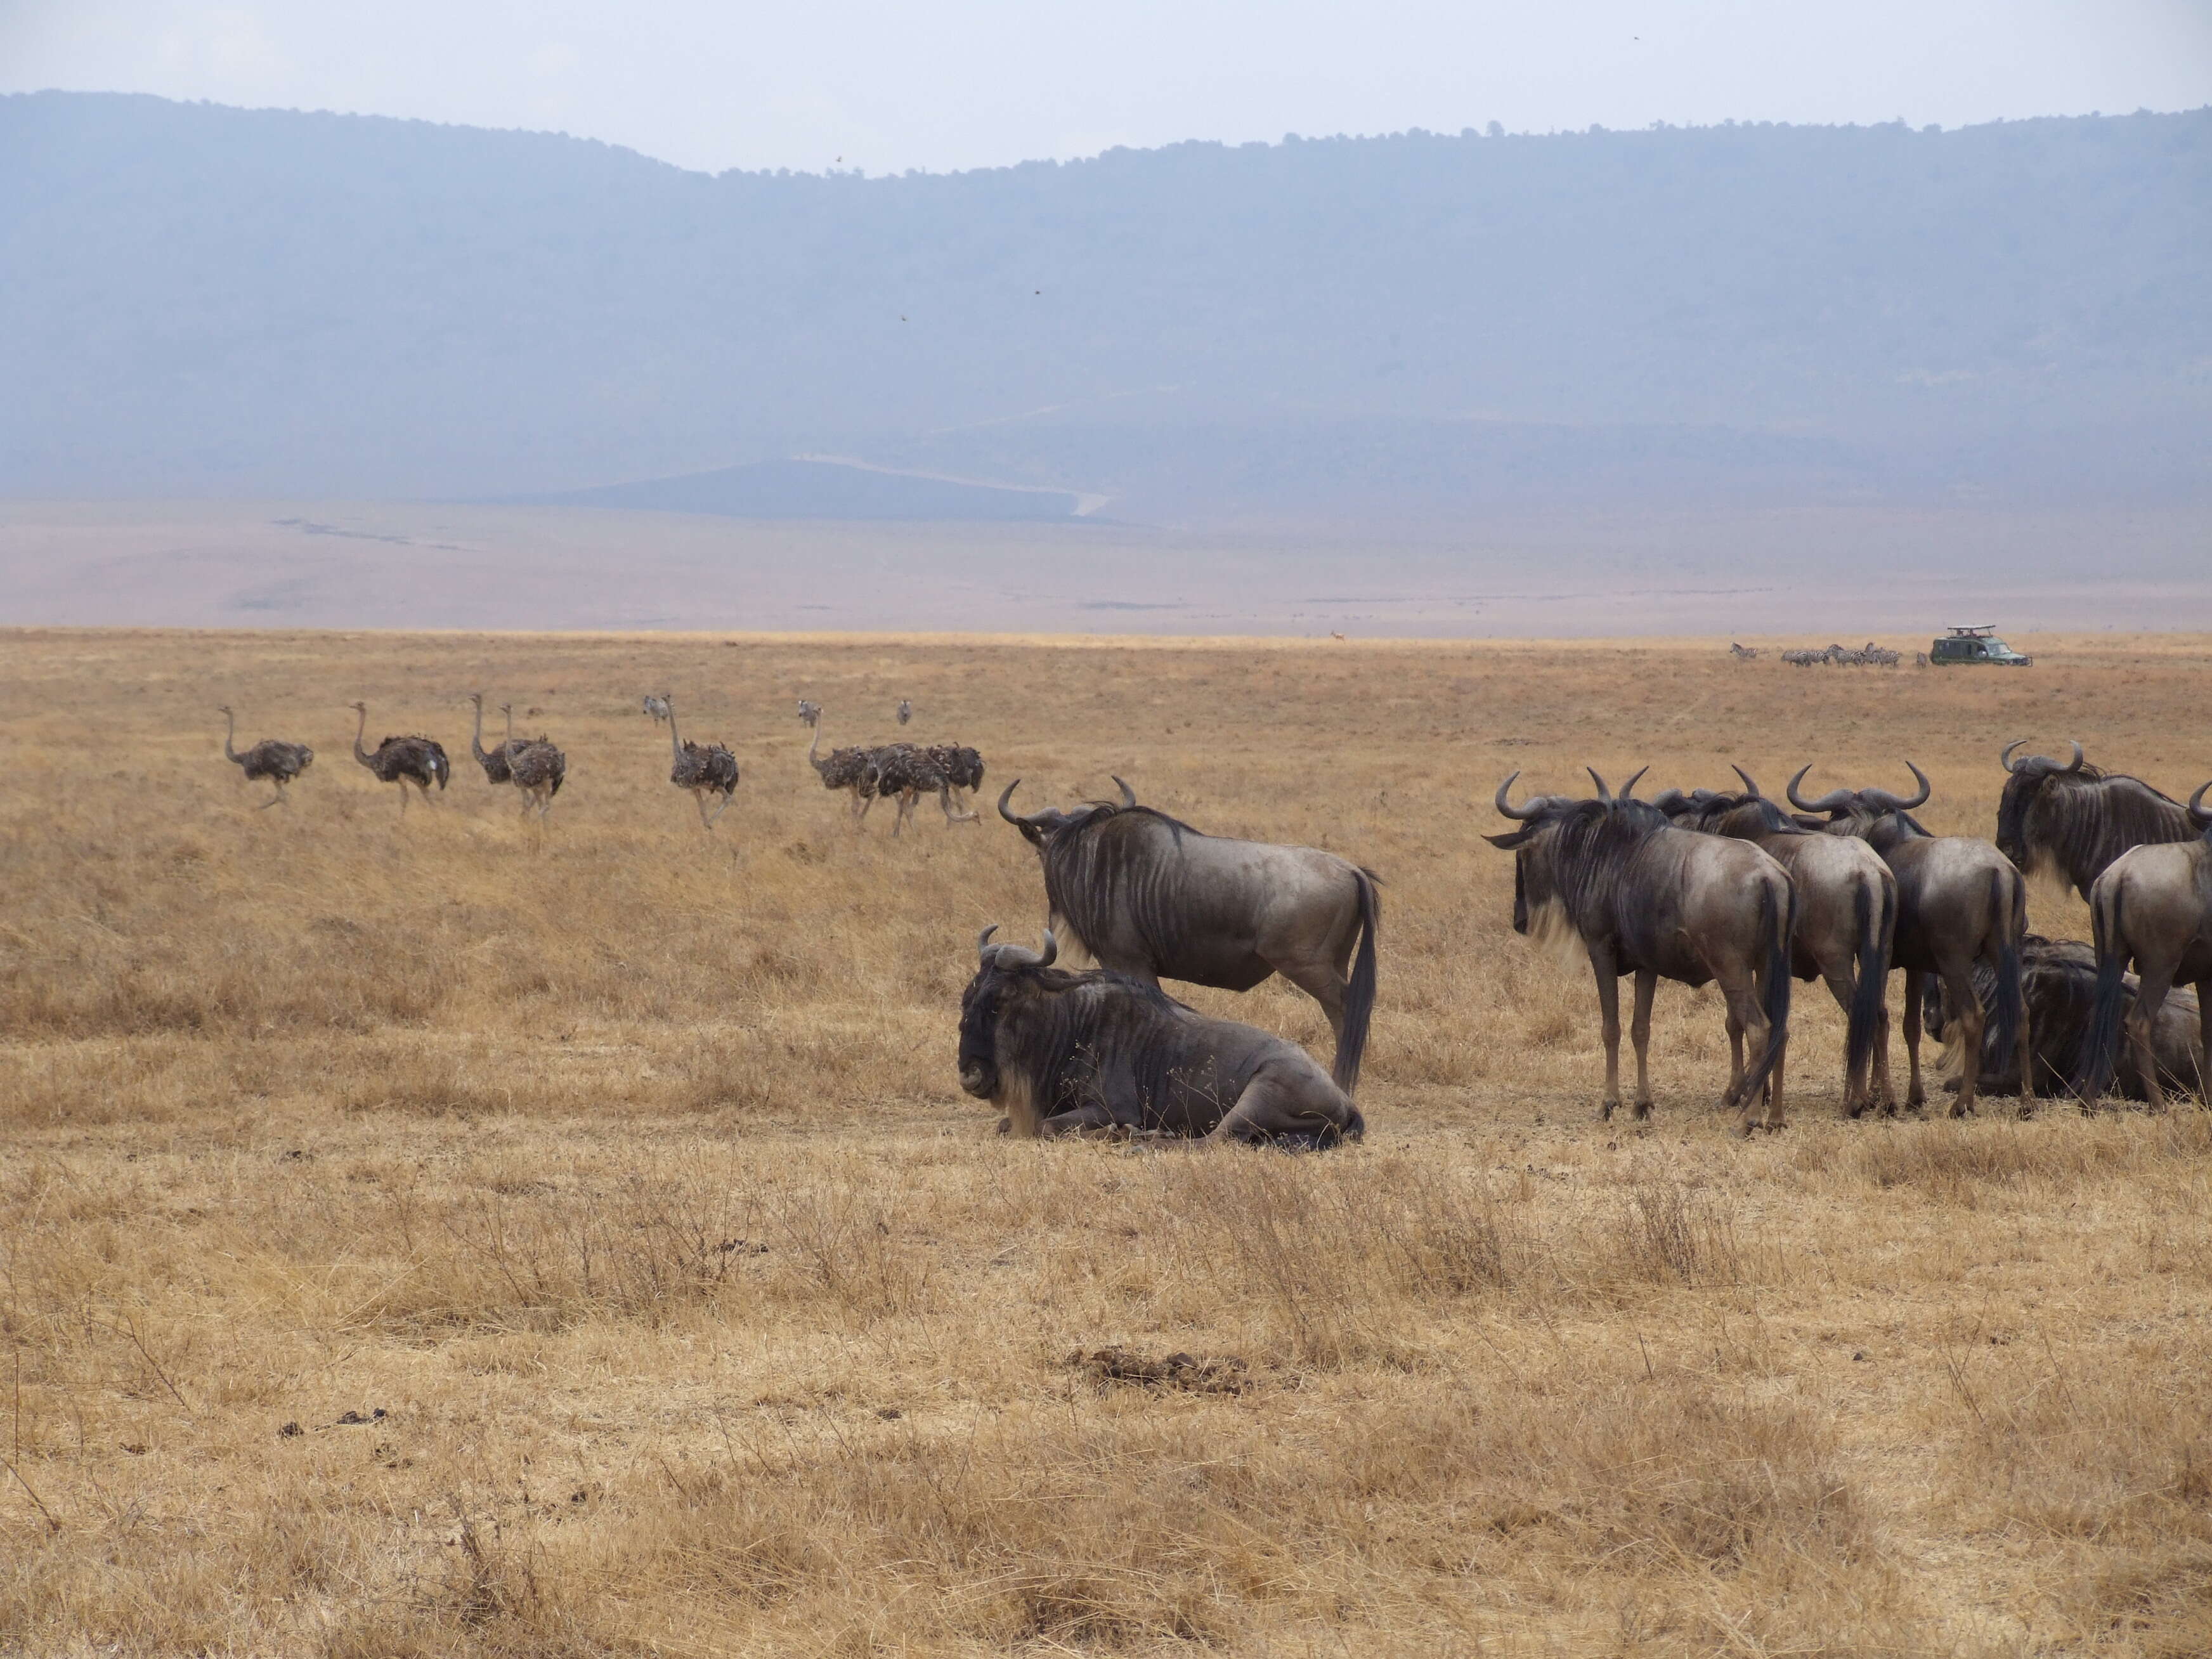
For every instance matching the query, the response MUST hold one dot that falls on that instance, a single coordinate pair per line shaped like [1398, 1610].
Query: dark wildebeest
[1147, 895]
[1642, 897]
[1062, 1053]
[2152, 908]
[2072, 820]
[1958, 902]
[2058, 984]
[1846, 916]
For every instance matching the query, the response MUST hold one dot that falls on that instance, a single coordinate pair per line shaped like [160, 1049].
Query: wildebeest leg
[1958, 985]
[1748, 1023]
[2203, 1055]
[1319, 979]
[1639, 1037]
[2143, 1026]
[1915, 1095]
[1091, 1118]
[1609, 1008]
[1273, 1109]
[1855, 1082]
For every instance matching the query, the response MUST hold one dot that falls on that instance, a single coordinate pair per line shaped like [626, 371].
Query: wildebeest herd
[1698, 887]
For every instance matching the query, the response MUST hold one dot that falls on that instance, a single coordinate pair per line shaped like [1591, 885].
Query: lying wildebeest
[1958, 902]
[2072, 820]
[1062, 1052]
[2058, 983]
[1846, 916]
[1642, 897]
[1148, 896]
[2152, 908]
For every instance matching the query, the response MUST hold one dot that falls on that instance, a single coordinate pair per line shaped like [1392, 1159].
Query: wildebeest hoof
[1606, 1110]
[1643, 1108]
[1006, 1126]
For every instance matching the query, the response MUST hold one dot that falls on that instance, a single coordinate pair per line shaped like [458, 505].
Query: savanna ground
[616, 1176]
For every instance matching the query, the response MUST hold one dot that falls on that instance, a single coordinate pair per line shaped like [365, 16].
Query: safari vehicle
[1975, 642]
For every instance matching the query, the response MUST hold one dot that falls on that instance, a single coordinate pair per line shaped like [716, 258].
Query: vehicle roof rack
[1972, 630]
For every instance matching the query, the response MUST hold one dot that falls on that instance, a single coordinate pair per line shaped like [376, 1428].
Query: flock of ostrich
[537, 768]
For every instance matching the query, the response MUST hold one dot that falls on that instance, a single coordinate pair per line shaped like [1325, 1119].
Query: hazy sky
[891, 84]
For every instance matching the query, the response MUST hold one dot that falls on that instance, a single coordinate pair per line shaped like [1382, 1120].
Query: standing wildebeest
[2152, 908]
[2058, 985]
[1642, 897]
[1958, 902]
[2072, 820]
[1147, 895]
[1846, 916]
[1061, 1053]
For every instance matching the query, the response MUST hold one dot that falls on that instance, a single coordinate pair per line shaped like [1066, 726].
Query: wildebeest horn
[1603, 793]
[983, 939]
[1506, 808]
[1128, 795]
[1750, 783]
[2004, 756]
[1051, 953]
[1834, 801]
[2197, 813]
[1628, 789]
[2075, 765]
[1005, 795]
[1890, 803]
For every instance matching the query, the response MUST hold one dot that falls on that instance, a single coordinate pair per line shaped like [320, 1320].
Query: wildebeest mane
[1065, 1028]
[1094, 867]
[1591, 850]
[2073, 823]
[1707, 814]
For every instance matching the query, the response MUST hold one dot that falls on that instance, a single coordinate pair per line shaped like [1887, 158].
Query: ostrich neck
[813, 747]
[675, 743]
[476, 738]
[360, 731]
[230, 733]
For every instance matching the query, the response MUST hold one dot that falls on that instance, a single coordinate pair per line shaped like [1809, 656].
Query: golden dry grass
[623, 1170]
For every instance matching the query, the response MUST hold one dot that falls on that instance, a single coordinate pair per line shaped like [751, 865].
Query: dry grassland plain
[616, 1176]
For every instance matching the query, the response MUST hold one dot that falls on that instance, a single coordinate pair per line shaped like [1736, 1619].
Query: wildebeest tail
[2009, 911]
[1359, 996]
[1876, 919]
[2102, 1047]
[1779, 922]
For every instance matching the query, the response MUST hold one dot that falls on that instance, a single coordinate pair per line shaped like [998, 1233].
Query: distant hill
[214, 301]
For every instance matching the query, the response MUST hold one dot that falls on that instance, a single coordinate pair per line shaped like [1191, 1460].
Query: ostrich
[908, 772]
[841, 768]
[494, 760]
[271, 758]
[963, 768]
[419, 760]
[704, 769]
[905, 710]
[656, 707]
[538, 769]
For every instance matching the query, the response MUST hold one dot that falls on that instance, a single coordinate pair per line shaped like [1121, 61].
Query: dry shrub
[1667, 1233]
[2113, 1457]
[1117, 1528]
[1338, 1256]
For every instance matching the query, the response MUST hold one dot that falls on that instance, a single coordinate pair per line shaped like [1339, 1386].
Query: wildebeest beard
[1095, 866]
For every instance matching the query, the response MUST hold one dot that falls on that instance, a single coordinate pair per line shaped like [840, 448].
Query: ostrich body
[494, 760]
[538, 769]
[908, 772]
[419, 760]
[703, 768]
[271, 758]
[841, 768]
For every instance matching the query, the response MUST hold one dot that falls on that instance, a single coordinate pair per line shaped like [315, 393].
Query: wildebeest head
[1552, 847]
[1745, 816]
[1861, 811]
[2025, 784]
[1006, 976]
